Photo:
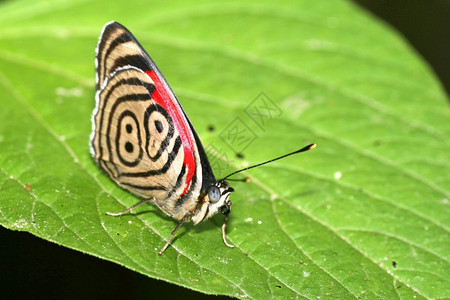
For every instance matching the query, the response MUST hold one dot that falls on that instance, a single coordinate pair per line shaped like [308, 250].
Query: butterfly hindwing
[141, 136]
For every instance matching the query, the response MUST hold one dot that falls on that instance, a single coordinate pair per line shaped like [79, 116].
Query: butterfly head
[216, 199]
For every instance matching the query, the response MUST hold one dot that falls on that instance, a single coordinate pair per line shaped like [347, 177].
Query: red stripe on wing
[162, 97]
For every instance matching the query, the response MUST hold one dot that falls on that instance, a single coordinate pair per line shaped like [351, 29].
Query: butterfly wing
[141, 136]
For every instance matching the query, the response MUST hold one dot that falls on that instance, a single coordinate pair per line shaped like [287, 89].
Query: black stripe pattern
[135, 140]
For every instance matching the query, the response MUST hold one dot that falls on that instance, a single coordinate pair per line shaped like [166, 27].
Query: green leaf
[364, 215]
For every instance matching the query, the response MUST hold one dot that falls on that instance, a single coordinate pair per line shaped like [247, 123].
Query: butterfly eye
[214, 194]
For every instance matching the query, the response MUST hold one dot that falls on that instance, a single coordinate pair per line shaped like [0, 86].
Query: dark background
[425, 24]
[31, 267]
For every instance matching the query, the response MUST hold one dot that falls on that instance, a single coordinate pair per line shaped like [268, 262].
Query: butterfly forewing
[142, 137]
[118, 48]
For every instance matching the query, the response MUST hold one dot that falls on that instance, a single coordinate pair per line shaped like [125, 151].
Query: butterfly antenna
[309, 147]
[245, 179]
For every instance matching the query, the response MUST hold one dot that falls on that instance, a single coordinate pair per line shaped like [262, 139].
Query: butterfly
[144, 141]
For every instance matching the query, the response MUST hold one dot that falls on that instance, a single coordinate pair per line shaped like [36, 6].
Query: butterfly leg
[129, 209]
[224, 236]
[186, 217]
